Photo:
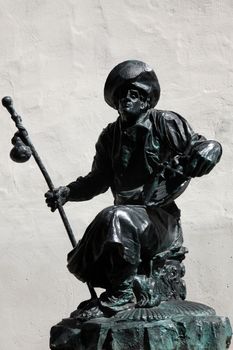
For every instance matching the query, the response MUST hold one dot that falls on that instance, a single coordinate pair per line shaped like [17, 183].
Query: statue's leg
[120, 274]
[118, 240]
[163, 234]
[109, 252]
[161, 269]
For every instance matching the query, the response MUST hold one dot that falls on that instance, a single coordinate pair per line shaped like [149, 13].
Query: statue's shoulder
[110, 128]
[169, 122]
[107, 133]
[165, 116]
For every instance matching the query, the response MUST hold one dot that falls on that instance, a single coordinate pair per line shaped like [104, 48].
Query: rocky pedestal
[161, 318]
[173, 325]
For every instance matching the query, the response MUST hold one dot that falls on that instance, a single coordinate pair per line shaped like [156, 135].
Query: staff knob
[7, 102]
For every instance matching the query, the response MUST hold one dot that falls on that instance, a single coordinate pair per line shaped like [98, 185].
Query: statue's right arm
[97, 181]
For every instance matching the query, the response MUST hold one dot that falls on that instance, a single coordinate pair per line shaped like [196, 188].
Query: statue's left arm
[201, 154]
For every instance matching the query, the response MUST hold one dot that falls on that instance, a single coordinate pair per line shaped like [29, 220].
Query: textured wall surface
[55, 56]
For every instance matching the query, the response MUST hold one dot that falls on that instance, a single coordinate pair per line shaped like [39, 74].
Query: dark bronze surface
[147, 157]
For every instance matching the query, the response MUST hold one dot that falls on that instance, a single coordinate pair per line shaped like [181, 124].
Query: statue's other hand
[57, 196]
[204, 157]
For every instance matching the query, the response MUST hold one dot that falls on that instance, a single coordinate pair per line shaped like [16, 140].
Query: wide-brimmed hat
[135, 73]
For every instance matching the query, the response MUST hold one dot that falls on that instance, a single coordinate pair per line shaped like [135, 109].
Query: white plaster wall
[54, 59]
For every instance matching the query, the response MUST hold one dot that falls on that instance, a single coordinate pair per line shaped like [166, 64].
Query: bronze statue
[134, 248]
[146, 157]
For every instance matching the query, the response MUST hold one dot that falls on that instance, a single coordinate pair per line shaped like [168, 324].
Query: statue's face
[131, 104]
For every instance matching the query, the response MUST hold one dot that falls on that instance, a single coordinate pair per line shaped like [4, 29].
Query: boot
[118, 297]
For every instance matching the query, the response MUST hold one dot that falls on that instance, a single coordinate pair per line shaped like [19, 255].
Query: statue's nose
[128, 96]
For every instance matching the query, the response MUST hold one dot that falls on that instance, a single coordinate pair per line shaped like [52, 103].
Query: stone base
[147, 330]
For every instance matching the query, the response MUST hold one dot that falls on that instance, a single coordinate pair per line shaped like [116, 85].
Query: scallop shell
[165, 310]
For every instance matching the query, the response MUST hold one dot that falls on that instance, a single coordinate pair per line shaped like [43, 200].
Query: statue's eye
[134, 94]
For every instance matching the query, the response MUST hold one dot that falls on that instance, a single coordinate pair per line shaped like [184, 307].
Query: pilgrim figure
[146, 157]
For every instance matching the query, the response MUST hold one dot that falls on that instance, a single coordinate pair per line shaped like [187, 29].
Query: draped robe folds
[128, 234]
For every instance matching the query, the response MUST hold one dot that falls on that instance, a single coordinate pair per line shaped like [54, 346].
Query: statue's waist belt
[134, 196]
